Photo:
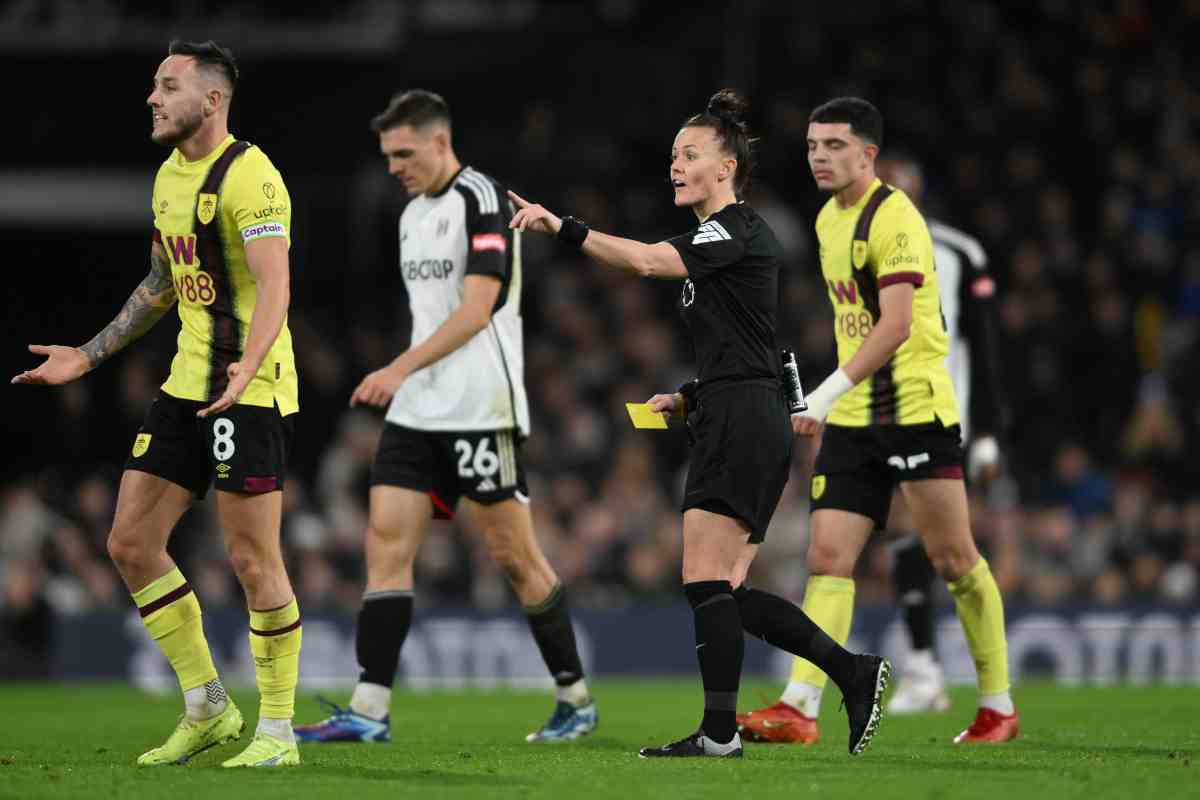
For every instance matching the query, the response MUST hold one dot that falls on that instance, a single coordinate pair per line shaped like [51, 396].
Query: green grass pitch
[80, 741]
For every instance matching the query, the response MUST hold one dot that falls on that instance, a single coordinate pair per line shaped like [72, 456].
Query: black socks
[913, 575]
[719, 649]
[550, 622]
[383, 623]
[785, 625]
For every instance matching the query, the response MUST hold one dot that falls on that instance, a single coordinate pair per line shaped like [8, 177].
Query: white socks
[371, 700]
[804, 697]
[205, 702]
[280, 729]
[1000, 702]
[922, 662]
[576, 694]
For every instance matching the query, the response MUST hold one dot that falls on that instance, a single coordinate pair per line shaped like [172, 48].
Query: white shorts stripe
[508, 471]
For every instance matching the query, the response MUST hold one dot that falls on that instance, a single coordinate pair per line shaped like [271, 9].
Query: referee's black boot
[863, 699]
[695, 746]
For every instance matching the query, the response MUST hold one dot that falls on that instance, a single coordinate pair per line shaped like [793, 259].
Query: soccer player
[737, 415]
[892, 420]
[456, 416]
[967, 290]
[226, 412]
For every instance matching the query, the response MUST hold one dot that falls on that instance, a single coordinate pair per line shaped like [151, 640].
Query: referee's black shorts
[858, 469]
[741, 452]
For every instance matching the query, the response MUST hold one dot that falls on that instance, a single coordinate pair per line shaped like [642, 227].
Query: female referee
[742, 449]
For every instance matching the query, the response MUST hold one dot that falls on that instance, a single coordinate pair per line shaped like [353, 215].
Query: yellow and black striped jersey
[879, 241]
[205, 213]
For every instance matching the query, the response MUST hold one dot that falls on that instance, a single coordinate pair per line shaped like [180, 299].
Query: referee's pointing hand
[533, 217]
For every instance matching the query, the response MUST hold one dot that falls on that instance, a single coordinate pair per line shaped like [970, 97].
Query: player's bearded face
[836, 156]
[176, 103]
[696, 163]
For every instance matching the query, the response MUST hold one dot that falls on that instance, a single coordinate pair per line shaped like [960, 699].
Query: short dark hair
[725, 114]
[209, 55]
[865, 120]
[415, 107]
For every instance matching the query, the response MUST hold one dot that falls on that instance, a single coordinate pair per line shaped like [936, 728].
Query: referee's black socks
[785, 625]
[550, 622]
[719, 649]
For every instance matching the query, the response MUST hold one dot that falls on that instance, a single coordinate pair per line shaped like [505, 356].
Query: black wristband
[573, 231]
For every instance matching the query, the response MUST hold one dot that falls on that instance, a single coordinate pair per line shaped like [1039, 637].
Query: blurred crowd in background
[1065, 136]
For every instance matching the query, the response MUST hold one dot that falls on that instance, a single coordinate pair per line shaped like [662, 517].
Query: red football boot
[780, 724]
[989, 726]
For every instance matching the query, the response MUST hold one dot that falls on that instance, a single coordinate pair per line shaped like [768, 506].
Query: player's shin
[171, 614]
[275, 637]
[981, 611]
[550, 623]
[828, 602]
[720, 647]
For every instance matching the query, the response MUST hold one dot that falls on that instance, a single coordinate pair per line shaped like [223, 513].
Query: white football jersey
[961, 262]
[463, 230]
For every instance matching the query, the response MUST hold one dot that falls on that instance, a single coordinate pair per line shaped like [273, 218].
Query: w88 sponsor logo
[195, 288]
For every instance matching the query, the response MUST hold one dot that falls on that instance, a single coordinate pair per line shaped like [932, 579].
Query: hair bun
[728, 105]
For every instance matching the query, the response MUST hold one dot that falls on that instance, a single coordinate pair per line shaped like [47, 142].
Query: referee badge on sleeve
[818, 486]
[141, 444]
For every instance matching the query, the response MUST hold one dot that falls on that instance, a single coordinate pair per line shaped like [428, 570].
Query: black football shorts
[242, 449]
[858, 469]
[482, 465]
[741, 452]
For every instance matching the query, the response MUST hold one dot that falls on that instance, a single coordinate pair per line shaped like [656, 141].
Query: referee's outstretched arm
[659, 260]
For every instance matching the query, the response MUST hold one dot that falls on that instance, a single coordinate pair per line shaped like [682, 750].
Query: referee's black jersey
[731, 296]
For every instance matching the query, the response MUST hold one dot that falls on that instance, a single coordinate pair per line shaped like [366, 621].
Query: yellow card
[643, 417]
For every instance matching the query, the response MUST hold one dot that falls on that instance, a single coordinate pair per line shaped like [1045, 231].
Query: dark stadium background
[1064, 135]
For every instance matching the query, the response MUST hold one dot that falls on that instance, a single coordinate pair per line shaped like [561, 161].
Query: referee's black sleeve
[715, 244]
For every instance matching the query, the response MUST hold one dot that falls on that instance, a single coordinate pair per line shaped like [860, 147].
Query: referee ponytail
[725, 114]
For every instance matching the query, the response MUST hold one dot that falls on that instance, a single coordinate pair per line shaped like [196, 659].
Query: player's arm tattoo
[153, 297]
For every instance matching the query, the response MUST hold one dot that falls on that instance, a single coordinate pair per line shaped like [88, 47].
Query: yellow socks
[981, 612]
[829, 602]
[171, 613]
[275, 645]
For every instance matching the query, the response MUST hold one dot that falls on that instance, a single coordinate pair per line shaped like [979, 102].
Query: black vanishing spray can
[791, 381]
